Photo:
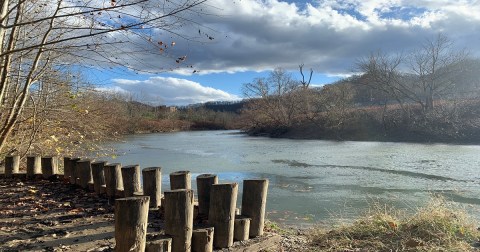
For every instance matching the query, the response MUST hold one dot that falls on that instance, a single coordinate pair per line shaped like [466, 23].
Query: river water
[315, 181]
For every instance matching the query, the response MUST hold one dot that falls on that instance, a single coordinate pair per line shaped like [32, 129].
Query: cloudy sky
[235, 41]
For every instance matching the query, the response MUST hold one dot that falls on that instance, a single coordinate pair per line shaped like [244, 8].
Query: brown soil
[56, 216]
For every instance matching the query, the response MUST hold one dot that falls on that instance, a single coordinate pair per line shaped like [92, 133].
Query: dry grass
[439, 226]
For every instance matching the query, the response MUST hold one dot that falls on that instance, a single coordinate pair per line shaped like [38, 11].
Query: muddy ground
[56, 216]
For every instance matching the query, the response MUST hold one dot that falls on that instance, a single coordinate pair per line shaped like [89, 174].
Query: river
[314, 181]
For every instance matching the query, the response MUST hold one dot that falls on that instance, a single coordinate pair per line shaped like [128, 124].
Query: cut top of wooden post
[180, 180]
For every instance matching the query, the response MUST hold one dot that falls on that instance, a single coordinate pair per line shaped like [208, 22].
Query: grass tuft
[439, 226]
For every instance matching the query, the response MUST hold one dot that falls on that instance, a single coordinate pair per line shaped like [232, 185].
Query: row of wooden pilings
[216, 202]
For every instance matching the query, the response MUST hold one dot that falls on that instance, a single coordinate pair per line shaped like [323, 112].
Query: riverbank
[54, 216]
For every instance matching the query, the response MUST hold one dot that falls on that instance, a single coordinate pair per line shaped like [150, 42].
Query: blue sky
[251, 38]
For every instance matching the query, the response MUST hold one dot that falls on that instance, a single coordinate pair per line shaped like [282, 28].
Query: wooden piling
[241, 228]
[74, 170]
[204, 184]
[179, 218]
[34, 166]
[152, 185]
[113, 179]
[49, 166]
[223, 199]
[202, 240]
[84, 172]
[12, 165]
[254, 200]
[131, 180]
[158, 244]
[131, 217]
[180, 180]
[98, 176]
[67, 168]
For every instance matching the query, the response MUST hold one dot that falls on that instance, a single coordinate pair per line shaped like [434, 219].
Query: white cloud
[327, 35]
[170, 91]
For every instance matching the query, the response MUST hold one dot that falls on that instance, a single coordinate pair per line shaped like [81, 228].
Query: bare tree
[274, 99]
[421, 77]
[305, 84]
[37, 36]
[432, 64]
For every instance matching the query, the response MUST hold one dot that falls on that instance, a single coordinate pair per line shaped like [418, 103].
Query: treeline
[63, 115]
[428, 95]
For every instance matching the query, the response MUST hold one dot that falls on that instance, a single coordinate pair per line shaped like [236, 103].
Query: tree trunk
[223, 200]
[180, 180]
[204, 185]
[254, 200]
[152, 185]
[131, 180]
[179, 218]
[131, 219]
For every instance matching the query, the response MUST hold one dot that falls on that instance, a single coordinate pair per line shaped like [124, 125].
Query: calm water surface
[314, 180]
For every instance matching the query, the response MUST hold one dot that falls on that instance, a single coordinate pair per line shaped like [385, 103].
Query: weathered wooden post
[67, 168]
[84, 171]
[12, 165]
[34, 166]
[204, 184]
[49, 166]
[158, 244]
[254, 200]
[131, 180]
[98, 176]
[74, 170]
[202, 240]
[180, 180]
[113, 179]
[179, 218]
[242, 228]
[152, 185]
[131, 217]
[223, 200]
